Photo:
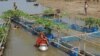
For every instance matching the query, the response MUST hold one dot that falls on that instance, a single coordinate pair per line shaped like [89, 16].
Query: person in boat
[42, 39]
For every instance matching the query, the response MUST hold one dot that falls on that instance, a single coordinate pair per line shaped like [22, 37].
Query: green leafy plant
[2, 32]
[10, 13]
[49, 11]
[92, 22]
[51, 23]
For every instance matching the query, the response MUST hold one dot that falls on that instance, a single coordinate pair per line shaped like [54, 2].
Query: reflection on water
[21, 43]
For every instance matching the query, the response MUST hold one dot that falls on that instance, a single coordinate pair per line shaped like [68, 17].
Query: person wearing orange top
[42, 39]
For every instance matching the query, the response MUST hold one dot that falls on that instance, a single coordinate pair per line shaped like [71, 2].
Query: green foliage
[92, 22]
[2, 31]
[62, 26]
[49, 11]
[51, 23]
[89, 21]
[44, 21]
[10, 13]
[7, 14]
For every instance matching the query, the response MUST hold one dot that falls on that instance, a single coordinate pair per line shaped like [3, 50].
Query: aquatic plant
[49, 11]
[51, 23]
[92, 22]
[10, 13]
[2, 32]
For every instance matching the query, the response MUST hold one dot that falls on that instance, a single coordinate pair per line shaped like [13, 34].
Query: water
[27, 7]
[21, 43]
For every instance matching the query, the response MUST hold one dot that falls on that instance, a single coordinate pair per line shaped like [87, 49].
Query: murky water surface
[22, 5]
[20, 43]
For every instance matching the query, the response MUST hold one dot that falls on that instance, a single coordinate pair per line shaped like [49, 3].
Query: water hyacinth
[92, 22]
[51, 23]
[49, 11]
[10, 13]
